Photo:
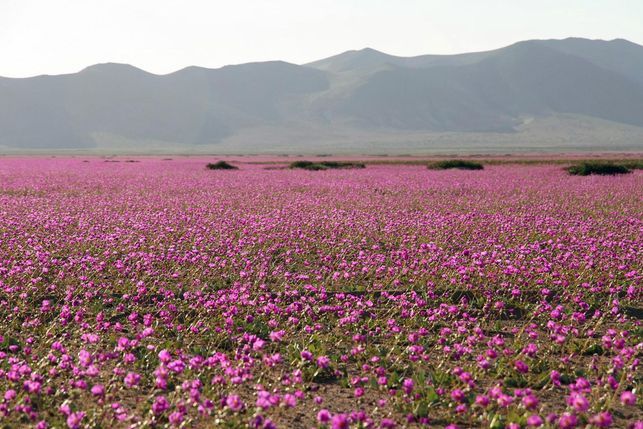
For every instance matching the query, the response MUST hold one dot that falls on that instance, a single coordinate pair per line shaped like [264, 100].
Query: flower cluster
[162, 294]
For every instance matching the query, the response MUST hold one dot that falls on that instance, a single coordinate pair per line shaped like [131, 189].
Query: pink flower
[504, 400]
[306, 355]
[10, 395]
[132, 379]
[530, 402]
[408, 385]
[387, 424]
[85, 358]
[323, 362]
[175, 418]
[457, 395]
[234, 402]
[482, 400]
[339, 421]
[628, 398]
[160, 405]
[98, 390]
[277, 336]
[602, 420]
[567, 421]
[578, 402]
[521, 367]
[165, 356]
[74, 419]
[323, 416]
[534, 421]
[290, 400]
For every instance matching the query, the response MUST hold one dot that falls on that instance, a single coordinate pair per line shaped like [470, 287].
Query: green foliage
[221, 165]
[596, 167]
[635, 164]
[326, 165]
[460, 164]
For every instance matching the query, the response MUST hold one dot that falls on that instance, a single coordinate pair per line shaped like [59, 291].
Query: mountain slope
[358, 96]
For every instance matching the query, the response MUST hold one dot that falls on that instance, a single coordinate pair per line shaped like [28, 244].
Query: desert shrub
[342, 164]
[460, 164]
[301, 164]
[326, 165]
[636, 164]
[597, 167]
[221, 165]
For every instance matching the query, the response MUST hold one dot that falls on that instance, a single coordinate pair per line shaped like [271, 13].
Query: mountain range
[555, 95]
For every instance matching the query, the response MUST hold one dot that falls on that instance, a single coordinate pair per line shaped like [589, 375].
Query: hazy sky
[161, 36]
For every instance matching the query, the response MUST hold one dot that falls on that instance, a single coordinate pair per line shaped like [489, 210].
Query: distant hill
[361, 101]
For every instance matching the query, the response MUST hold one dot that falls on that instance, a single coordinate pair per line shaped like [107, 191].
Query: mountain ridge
[351, 95]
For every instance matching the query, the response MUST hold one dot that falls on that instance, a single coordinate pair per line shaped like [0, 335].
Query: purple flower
[602, 420]
[530, 402]
[234, 402]
[458, 395]
[482, 401]
[521, 367]
[534, 421]
[165, 356]
[628, 398]
[74, 419]
[323, 416]
[323, 362]
[306, 355]
[567, 421]
[340, 421]
[98, 390]
[290, 400]
[175, 418]
[160, 405]
[10, 395]
[578, 402]
[132, 379]
[387, 424]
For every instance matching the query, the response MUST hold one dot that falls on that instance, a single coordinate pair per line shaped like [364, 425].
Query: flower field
[159, 293]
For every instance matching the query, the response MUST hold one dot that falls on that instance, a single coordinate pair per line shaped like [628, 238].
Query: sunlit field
[159, 293]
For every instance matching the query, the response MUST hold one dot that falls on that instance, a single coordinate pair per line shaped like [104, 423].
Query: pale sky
[161, 36]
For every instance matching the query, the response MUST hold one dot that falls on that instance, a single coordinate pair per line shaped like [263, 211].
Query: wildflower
[387, 424]
[323, 416]
[521, 367]
[160, 405]
[10, 395]
[165, 356]
[175, 418]
[628, 398]
[290, 400]
[339, 421]
[457, 395]
[306, 355]
[98, 390]
[74, 419]
[534, 421]
[530, 402]
[578, 402]
[132, 379]
[602, 420]
[567, 421]
[323, 362]
[234, 402]
[482, 400]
